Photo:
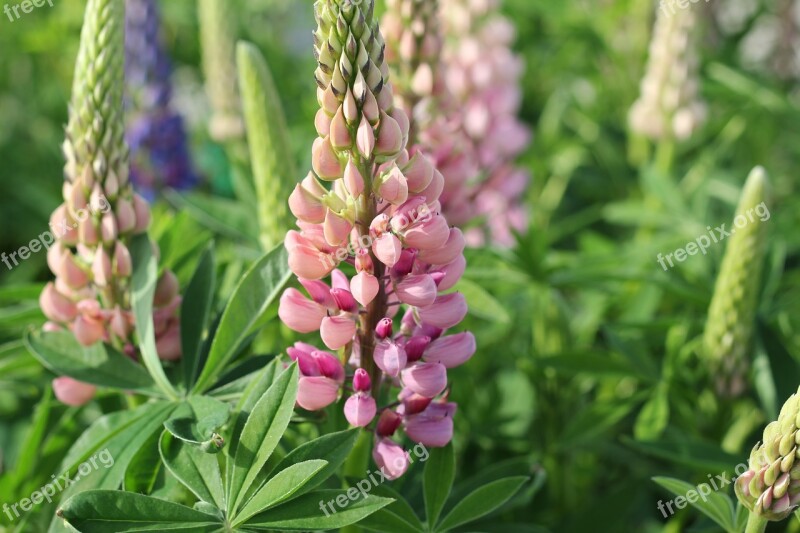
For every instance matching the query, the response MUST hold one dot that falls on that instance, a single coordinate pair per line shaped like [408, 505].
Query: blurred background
[588, 373]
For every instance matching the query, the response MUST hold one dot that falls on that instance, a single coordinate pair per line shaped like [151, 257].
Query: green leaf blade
[259, 287]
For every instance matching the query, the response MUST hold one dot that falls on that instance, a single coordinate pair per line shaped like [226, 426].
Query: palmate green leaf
[306, 512]
[145, 469]
[482, 502]
[198, 470]
[143, 289]
[385, 520]
[259, 287]
[332, 448]
[440, 471]
[252, 393]
[195, 311]
[123, 436]
[98, 364]
[399, 507]
[262, 431]
[111, 511]
[197, 419]
[716, 505]
[280, 488]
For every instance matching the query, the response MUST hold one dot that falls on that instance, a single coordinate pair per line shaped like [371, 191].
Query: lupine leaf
[259, 287]
[111, 511]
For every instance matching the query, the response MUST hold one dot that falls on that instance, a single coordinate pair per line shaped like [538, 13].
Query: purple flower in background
[155, 132]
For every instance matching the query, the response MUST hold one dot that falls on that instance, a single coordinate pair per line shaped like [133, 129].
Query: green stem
[756, 524]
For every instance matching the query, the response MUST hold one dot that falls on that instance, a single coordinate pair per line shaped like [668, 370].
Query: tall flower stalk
[155, 133]
[461, 79]
[669, 107]
[729, 330]
[101, 213]
[217, 38]
[381, 217]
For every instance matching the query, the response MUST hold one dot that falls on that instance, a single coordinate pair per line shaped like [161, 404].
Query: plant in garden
[244, 493]
[155, 132]
[101, 216]
[728, 333]
[770, 488]
[458, 73]
[669, 107]
[380, 216]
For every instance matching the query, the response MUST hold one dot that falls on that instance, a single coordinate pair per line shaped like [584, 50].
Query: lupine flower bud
[729, 328]
[669, 105]
[426, 379]
[360, 409]
[770, 487]
[361, 381]
[433, 426]
[73, 392]
[388, 423]
[384, 328]
[452, 350]
[93, 267]
[218, 37]
[391, 458]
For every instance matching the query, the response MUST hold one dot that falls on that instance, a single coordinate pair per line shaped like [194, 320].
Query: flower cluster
[771, 486]
[155, 134]
[91, 258]
[381, 215]
[472, 131]
[669, 105]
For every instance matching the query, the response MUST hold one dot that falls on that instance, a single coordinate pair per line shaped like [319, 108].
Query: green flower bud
[729, 328]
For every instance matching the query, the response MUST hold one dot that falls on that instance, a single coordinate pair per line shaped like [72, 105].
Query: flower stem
[376, 310]
[756, 524]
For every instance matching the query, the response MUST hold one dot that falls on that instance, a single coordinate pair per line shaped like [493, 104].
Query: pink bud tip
[426, 379]
[432, 427]
[317, 392]
[361, 381]
[391, 458]
[388, 423]
[344, 300]
[446, 311]
[364, 287]
[418, 290]
[360, 409]
[452, 350]
[384, 328]
[300, 313]
[337, 331]
[390, 357]
[168, 344]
